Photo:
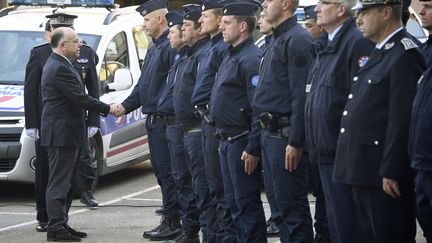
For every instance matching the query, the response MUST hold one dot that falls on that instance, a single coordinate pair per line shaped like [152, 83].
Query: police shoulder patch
[254, 80]
[408, 43]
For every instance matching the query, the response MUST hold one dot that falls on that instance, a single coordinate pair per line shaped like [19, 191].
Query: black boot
[168, 229]
[272, 229]
[185, 238]
[87, 195]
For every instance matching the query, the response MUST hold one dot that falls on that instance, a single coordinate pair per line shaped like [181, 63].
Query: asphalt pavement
[127, 201]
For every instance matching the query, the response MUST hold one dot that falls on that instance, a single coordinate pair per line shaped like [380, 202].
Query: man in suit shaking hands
[63, 128]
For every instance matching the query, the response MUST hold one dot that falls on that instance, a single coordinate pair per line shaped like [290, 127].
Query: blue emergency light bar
[65, 3]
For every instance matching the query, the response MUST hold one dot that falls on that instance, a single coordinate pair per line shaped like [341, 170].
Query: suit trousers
[423, 186]
[62, 170]
[243, 191]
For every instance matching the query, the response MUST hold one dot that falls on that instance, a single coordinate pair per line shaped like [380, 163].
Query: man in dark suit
[63, 129]
[86, 66]
[371, 155]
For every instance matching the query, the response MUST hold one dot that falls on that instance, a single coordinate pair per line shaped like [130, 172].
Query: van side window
[116, 56]
[142, 42]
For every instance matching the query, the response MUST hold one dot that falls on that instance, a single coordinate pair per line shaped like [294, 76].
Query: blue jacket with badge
[420, 143]
[185, 82]
[207, 70]
[373, 138]
[328, 86]
[233, 91]
[283, 74]
[157, 63]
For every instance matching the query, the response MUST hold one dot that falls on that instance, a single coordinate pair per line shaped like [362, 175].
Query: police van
[117, 36]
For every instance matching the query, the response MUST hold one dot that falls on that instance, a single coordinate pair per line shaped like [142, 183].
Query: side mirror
[122, 81]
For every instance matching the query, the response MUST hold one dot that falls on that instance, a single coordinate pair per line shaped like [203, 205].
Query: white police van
[117, 36]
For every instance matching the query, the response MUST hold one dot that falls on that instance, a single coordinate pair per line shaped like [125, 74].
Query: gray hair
[349, 5]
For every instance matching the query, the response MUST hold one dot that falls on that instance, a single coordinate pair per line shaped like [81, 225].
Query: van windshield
[16, 47]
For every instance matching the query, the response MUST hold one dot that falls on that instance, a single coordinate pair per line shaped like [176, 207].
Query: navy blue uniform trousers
[423, 185]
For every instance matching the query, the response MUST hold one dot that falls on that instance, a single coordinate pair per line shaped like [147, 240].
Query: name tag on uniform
[308, 87]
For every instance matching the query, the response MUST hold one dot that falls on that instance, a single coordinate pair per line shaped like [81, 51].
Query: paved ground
[127, 202]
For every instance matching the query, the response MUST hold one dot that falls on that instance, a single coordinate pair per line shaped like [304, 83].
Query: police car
[117, 36]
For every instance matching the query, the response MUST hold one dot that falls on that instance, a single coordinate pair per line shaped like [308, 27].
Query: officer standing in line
[146, 94]
[426, 20]
[231, 97]
[420, 151]
[209, 65]
[371, 155]
[327, 89]
[185, 113]
[188, 208]
[320, 38]
[280, 96]
[86, 63]
[272, 230]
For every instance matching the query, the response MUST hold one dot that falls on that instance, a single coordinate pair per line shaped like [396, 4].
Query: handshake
[117, 109]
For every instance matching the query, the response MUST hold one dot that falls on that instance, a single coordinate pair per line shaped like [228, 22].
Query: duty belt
[221, 136]
[154, 115]
[171, 120]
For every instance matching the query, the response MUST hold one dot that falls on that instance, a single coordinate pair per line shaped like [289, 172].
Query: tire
[96, 156]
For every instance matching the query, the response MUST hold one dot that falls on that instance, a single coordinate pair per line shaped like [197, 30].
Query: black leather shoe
[88, 199]
[272, 229]
[80, 234]
[169, 229]
[184, 238]
[62, 236]
[41, 226]
[160, 210]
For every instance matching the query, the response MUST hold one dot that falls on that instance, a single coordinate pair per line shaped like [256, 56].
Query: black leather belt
[171, 120]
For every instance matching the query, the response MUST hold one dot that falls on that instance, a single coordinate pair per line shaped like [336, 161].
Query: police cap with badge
[151, 6]
[174, 18]
[61, 20]
[192, 12]
[240, 8]
[211, 4]
[364, 4]
[309, 12]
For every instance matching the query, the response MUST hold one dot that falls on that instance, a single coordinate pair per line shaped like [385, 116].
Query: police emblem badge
[362, 61]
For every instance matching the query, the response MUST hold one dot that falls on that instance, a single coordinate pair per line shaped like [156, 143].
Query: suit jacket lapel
[70, 67]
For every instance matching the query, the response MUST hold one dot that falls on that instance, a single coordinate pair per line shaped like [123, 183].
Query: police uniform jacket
[320, 42]
[329, 83]
[185, 82]
[209, 66]
[86, 67]
[234, 89]
[427, 51]
[420, 145]
[166, 105]
[64, 101]
[283, 74]
[373, 138]
[157, 63]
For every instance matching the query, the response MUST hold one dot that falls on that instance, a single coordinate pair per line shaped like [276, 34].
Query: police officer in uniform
[230, 107]
[280, 96]
[328, 86]
[426, 20]
[185, 113]
[420, 152]
[85, 64]
[371, 155]
[146, 94]
[188, 208]
[212, 58]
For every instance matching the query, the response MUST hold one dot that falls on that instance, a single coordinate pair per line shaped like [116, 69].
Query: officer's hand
[391, 187]
[251, 162]
[33, 133]
[91, 131]
[117, 109]
[292, 157]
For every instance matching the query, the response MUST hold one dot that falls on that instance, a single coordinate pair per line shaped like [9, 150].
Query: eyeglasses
[327, 2]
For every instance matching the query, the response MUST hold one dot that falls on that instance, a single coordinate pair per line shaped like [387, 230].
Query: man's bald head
[65, 41]
[155, 22]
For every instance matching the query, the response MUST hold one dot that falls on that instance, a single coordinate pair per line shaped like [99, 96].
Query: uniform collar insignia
[82, 60]
[408, 43]
[388, 46]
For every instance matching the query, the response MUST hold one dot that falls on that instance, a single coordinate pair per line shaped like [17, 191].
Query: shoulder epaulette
[408, 43]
